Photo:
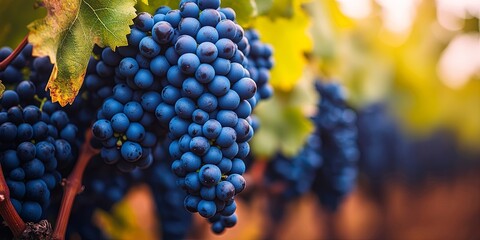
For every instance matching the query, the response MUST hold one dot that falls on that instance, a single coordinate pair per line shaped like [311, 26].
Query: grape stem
[73, 186]
[4, 64]
[7, 211]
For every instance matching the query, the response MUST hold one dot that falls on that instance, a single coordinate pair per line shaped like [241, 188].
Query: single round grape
[26, 151]
[192, 182]
[122, 93]
[135, 36]
[135, 132]
[9, 99]
[209, 175]
[149, 47]
[225, 165]
[245, 87]
[229, 101]
[230, 152]
[199, 116]
[206, 208]
[31, 211]
[24, 132]
[184, 107]
[190, 161]
[189, 26]
[188, 63]
[225, 190]
[212, 129]
[26, 90]
[185, 44]
[102, 129]
[128, 67]
[178, 126]
[229, 209]
[189, 10]
[34, 169]
[219, 86]
[173, 17]
[207, 52]
[133, 110]
[192, 88]
[229, 13]
[226, 29]
[36, 190]
[207, 34]
[213, 156]
[221, 66]
[229, 221]
[131, 151]
[63, 150]
[45, 150]
[150, 101]
[164, 113]
[195, 130]
[159, 66]
[208, 193]
[162, 32]
[199, 145]
[226, 48]
[143, 79]
[143, 21]
[209, 17]
[191, 203]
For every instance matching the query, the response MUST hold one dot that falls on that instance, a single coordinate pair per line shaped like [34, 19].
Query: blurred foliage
[14, 18]
[400, 68]
[290, 41]
[284, 121]
[124, 221]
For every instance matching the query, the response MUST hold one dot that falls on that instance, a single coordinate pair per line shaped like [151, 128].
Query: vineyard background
[417, 62]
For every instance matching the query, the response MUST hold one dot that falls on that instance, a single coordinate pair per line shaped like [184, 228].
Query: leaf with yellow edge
[68, 33]
[2, 89]
[290, 39]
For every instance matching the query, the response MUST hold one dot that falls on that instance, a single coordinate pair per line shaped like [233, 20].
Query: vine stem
[7, 211]
[14, 54]
[73, 186]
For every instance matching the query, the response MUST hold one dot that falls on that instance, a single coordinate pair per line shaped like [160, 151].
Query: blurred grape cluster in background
[402, 151]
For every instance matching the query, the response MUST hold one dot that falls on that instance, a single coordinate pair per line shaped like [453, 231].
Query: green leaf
[68, 33]
[245, 10]
[151, 5]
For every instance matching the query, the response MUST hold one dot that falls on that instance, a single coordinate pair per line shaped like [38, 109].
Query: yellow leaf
[290, 39]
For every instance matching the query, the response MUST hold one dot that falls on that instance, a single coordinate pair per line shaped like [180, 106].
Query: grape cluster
[187, 69]
[206, 106]
[336, 123]
[129, 94]
[37, 140]
[326, 165]
[296, 173]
